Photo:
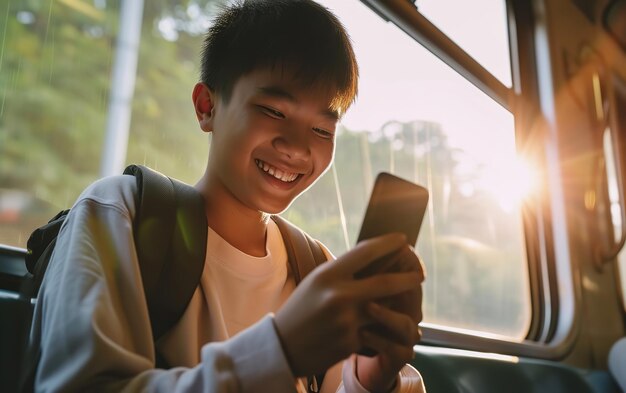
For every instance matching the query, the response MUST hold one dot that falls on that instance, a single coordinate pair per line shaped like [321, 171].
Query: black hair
[301, 34]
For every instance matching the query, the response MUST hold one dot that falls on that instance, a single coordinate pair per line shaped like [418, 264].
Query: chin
[276, 208]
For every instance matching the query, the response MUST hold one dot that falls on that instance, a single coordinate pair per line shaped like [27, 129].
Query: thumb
[366, 252]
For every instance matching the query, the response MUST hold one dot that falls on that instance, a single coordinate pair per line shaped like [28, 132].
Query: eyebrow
[280, 93]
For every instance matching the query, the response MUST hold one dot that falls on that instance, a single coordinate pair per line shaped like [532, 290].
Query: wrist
[283, 347]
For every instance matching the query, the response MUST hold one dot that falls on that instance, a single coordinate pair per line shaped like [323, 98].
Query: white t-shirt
[92, 324]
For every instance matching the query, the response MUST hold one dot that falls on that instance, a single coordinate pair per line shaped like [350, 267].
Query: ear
[204, 104]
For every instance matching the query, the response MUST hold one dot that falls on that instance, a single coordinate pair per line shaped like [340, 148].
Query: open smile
[279, 174]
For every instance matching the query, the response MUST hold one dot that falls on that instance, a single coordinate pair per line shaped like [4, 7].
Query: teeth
[277, 173]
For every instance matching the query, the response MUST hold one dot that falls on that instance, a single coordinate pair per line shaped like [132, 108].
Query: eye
[323, 133]
[271, 112]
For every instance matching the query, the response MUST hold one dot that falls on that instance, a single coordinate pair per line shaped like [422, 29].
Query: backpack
[170, 233]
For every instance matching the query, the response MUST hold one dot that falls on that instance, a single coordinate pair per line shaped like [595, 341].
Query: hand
[403, 260]
[394, 345]
[321, 323]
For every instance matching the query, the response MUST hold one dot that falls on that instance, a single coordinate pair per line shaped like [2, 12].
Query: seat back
[452, 371]
[15, 316]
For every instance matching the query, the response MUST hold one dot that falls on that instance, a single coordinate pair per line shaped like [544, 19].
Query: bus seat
[14, 316]
[451, 372]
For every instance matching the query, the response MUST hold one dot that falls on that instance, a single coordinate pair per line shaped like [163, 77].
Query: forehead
[284, 83]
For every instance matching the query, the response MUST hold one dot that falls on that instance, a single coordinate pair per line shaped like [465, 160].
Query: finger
[402, 260]
[381, 345]
[384, 285]
[422, 267]
[409, 260]
[387, 264]
[400, 326]
[366, 252]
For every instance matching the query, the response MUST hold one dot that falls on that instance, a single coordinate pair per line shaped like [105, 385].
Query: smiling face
[272, 139]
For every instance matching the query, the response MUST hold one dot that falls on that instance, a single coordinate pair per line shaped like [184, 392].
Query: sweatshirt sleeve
[92, 325]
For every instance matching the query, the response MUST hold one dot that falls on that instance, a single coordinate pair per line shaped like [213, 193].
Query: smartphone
[395, 205]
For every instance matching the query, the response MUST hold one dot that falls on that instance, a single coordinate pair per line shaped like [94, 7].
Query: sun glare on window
[511, 183]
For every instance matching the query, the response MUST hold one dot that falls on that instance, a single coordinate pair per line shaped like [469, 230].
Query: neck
[242, 227]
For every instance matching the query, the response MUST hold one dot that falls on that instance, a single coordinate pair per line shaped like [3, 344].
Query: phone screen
[396, 205]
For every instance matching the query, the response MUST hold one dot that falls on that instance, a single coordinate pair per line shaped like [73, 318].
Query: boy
[276, 77]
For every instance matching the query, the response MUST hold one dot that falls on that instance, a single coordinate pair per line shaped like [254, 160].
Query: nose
[293, 143]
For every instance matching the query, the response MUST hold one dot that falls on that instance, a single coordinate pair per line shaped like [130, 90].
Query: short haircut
[300, 34]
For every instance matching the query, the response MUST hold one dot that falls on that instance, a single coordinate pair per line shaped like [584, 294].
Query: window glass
[55, 64]
[478, 26]
[419, 119]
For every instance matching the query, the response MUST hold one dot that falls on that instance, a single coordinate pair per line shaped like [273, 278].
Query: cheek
[325, 155]
[235, 137]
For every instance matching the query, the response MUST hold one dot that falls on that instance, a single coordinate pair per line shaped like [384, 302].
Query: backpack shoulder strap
[303, 252]
[170, 231]
[40, 245]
